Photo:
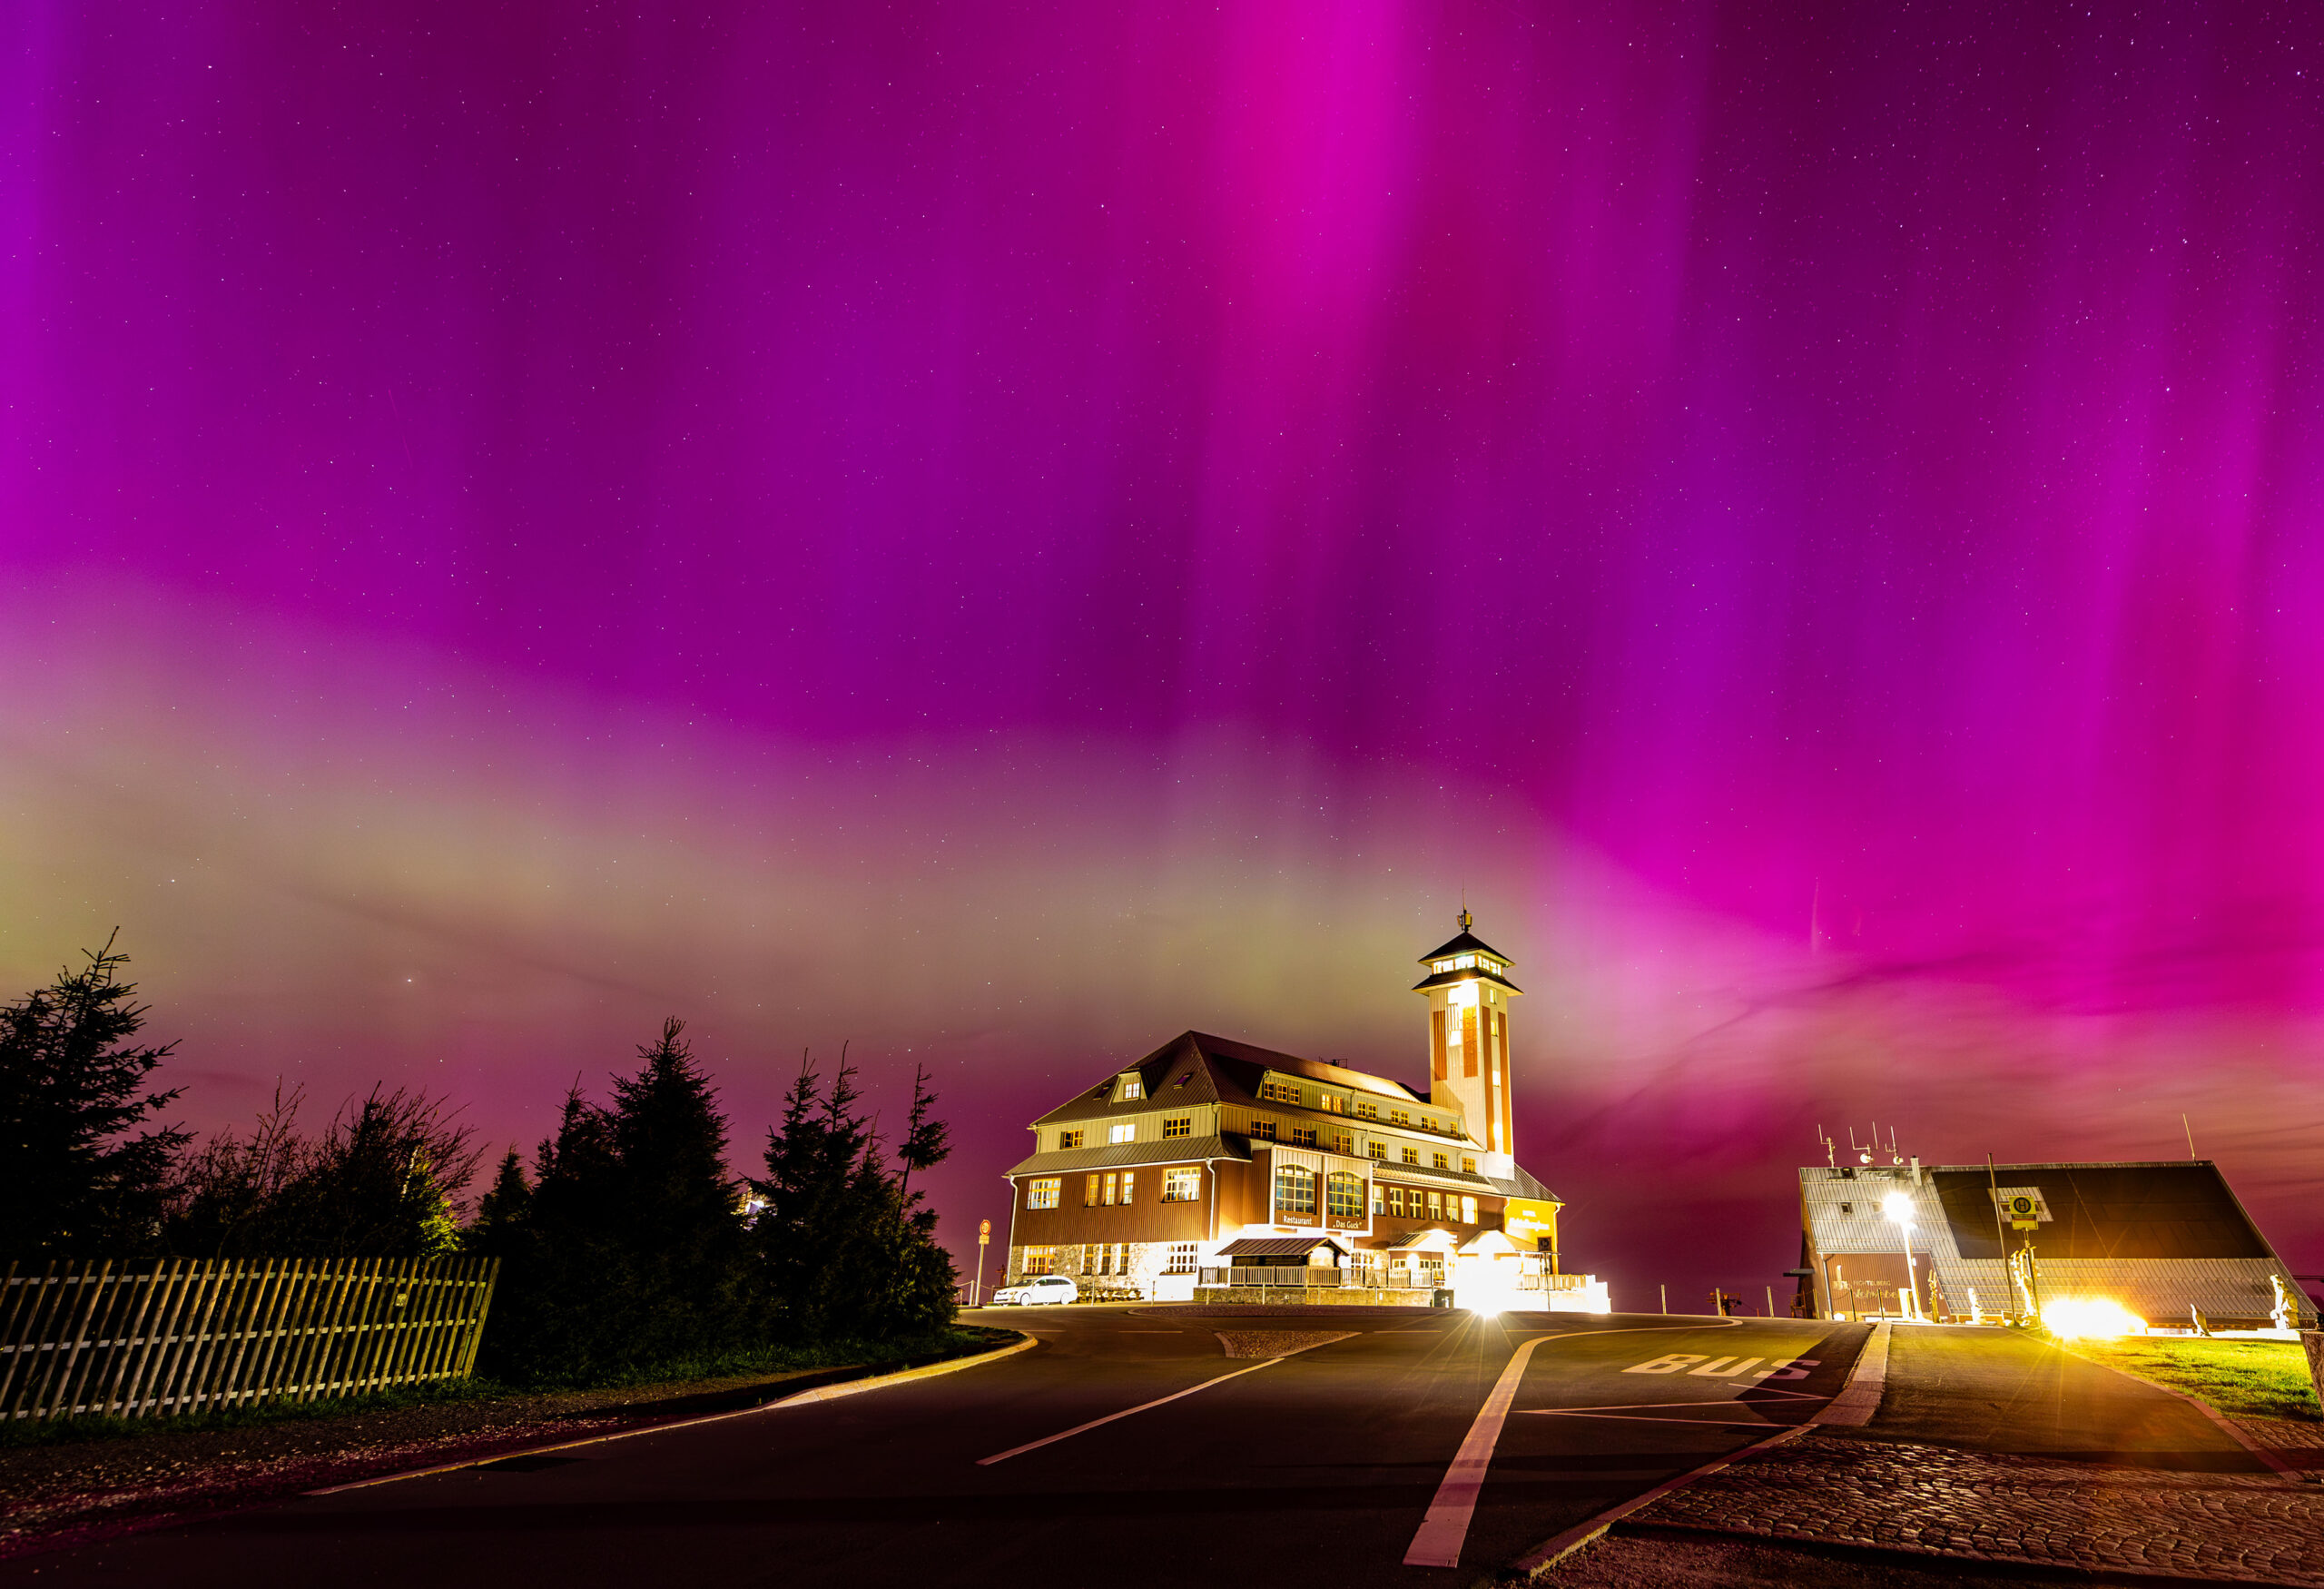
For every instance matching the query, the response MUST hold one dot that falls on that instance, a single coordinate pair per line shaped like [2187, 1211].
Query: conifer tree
[504, 1214]
[76, 1183]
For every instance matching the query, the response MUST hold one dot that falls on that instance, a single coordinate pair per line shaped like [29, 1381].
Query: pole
[2009, 1286]
[984, 1239]
[1666, 1297]
[1771, 1301]
[1912, 1281]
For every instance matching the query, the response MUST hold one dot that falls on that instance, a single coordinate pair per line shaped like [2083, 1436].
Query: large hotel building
[1218, 1169]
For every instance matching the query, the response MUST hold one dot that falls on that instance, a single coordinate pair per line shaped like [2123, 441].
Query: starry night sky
[1000, 533]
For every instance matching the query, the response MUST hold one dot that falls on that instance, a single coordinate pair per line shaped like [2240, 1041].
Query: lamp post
[1899, 1208]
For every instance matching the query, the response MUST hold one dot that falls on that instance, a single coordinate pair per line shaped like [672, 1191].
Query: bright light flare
[2090, 1318]
[1898, 1207]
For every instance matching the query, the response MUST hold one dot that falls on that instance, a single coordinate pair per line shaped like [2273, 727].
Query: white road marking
[1126, 1412]
[1865, 1373]
[1446, 1527]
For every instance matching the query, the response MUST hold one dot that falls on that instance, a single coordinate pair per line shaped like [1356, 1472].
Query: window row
[1413, 1203]
[1177, 1125]
[1112, 1189]
[1101, 1258]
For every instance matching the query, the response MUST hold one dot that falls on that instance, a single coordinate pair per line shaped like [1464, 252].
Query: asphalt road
[1321, 1467]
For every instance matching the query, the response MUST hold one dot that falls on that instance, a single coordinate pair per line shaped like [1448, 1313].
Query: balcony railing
[1276, 1275]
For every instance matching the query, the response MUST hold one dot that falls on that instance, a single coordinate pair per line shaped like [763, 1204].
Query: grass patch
[957, 1341]
[2249, 1379]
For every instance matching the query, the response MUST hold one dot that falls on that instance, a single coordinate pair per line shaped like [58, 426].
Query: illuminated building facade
[2169, 1242]
[1213, 1164]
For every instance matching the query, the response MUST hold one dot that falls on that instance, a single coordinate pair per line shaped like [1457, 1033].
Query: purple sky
[1002, 533]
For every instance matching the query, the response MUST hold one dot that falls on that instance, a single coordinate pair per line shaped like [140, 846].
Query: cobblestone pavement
[1842, 1490]
[1276, 1343]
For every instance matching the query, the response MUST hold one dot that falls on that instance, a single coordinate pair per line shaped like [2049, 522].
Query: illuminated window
[1440, 1160]
[1125, 1131]
[1396, 1202]
[1412, 1156]
[1089, 1195]
[1042, 1194]
[1343, 1195]
[1295, 1189]
[1263, 1130]
[1379, 1199]
[1182, 1185]
[1067, 1140]
[1133, 1089]
[1129, 1180]
[1179, 1125]
[1463, 961]
[1468, 1211]
[1302, 1135]
[1113, 1185]
[1037, 1260]
[1468, 1164]
[1436, 1205]
[1181, 1258]
[1331, 1103]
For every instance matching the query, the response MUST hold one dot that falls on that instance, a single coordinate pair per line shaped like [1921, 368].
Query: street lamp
[1898, 1207]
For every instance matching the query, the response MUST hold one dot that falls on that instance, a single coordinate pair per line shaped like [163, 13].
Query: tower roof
[1492, 967]
[1467, 943]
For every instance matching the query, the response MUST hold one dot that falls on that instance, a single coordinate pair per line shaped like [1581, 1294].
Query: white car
[1035, 1291]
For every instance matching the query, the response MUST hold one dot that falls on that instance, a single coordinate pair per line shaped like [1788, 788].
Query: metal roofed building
[2169, 1241]
[1217, 1165]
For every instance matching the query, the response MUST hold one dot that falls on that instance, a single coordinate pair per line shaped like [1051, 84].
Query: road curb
[1868, 1378]
[1026, 1343]
[820, 1393]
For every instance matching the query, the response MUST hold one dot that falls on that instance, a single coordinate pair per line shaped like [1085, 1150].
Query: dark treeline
[629, 1247]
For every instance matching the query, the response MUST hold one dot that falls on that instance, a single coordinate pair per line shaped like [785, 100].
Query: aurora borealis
[998, 534]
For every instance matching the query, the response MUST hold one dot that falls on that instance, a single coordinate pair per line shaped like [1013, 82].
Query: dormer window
[1133, 1089]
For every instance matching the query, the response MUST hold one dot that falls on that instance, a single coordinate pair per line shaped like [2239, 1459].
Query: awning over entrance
[1429, 1240]
[1280, 1245]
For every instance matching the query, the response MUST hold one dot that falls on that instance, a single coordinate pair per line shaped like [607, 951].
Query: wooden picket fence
[153, 1337]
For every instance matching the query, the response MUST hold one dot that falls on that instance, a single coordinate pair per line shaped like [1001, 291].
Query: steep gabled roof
[1195, 1067]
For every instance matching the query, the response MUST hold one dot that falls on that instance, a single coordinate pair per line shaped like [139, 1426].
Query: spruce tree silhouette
[75, 1183]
